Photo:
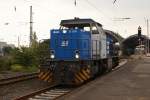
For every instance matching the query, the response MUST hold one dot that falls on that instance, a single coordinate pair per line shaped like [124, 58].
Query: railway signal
[139, 32]
[139, 36]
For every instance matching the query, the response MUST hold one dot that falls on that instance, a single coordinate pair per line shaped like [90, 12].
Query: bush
[5, 63]
[17, 68]
[24, 58]
[32, 69]
[20, 68]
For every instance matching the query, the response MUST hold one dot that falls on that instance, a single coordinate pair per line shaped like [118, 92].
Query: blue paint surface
[66, 42]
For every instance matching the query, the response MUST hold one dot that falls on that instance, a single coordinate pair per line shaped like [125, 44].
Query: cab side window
[95, 30]
[86, 29]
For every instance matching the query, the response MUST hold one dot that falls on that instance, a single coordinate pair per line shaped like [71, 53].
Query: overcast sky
[47, 15]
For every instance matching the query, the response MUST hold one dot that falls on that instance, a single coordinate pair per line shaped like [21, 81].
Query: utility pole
[18, 42]
[147, 36]
[75, 2]
[31, 26]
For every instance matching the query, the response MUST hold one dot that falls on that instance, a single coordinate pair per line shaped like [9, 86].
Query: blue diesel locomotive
[79, 50]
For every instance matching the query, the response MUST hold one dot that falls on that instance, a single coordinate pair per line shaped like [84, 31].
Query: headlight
[77, 56]
[52, 56]
[64, 31]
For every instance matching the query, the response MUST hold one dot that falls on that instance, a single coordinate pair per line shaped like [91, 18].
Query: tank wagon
[79, 50]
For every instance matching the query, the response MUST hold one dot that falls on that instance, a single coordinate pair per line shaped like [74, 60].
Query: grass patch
[32, 69]
[19, 68]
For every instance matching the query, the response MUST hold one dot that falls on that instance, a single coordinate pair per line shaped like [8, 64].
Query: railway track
[50, 93]
[55, 92]
[17, 79]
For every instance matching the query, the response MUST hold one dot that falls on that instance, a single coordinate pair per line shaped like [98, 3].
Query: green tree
[44, 50]
[7, 50]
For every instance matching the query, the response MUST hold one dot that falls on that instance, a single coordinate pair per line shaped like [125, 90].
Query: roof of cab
[78, 22]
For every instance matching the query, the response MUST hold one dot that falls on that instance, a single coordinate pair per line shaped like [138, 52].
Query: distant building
[4, 44]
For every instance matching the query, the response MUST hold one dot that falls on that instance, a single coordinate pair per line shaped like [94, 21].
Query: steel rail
[53, 92]
[15, 79]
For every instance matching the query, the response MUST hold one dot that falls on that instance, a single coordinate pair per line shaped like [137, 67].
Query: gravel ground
[8, 74]
[9, 92]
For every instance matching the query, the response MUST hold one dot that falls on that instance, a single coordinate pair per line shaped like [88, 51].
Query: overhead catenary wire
[58, 15]
[100, 13]
[98, 9]
[75, 4]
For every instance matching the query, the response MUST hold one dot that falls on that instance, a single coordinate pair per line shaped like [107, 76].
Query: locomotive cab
[78, 39]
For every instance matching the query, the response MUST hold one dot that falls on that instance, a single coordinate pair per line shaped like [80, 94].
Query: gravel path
[12, 91]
